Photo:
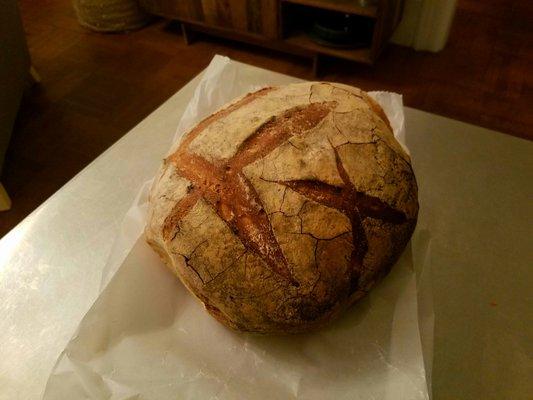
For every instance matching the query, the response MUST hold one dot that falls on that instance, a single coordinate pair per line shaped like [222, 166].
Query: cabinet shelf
[300, 39]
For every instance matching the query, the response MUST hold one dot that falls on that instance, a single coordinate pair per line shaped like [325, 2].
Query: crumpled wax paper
[146, 337]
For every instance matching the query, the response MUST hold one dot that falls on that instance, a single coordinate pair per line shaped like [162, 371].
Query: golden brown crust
[284, 208]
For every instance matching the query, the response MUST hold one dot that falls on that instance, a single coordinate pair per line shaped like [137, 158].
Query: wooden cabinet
[283, 24]
[256, 17]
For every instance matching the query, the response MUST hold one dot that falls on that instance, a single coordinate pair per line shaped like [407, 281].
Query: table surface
[476, 208]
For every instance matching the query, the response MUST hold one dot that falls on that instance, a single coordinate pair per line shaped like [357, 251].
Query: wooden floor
[96, 87]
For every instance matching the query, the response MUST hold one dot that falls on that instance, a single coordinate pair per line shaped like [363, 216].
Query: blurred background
[76, 76]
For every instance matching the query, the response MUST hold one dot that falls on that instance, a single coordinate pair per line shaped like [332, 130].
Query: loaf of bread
[285, 207]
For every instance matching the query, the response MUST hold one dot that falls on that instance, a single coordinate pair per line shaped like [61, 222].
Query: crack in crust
[224, 186]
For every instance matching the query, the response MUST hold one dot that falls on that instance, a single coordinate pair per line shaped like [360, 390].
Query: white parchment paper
[146, 337]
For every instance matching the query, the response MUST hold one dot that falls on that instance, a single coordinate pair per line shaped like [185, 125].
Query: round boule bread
[285, 207]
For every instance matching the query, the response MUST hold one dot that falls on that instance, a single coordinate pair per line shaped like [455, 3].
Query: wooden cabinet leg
[35, 77]
[188, 34]
[5, 201]
[315, 66]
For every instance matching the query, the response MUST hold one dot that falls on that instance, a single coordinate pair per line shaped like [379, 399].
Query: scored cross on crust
[354, 204]
[223, 185]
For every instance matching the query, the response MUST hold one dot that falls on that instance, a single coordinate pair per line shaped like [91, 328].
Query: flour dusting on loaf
[285, 207]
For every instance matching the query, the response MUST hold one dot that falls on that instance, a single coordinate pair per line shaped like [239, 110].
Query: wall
[425, 24]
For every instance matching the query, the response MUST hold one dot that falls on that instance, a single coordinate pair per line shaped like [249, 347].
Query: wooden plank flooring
[96, 87]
